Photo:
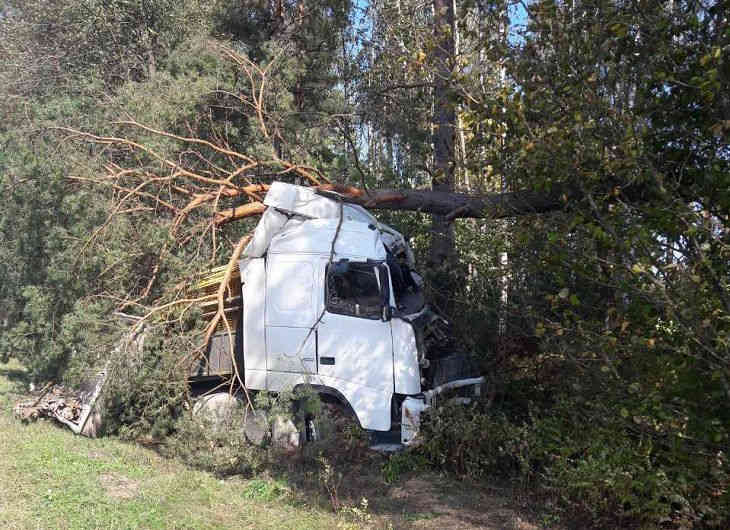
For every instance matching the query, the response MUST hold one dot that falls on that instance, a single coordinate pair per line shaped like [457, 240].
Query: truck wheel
[256, 427]
[217, 409]
[311, 432]
[223, 411]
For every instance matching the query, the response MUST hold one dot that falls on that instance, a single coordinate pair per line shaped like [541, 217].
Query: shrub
[474, 441]
[400, 463]
[223, 451]
[146, 390]
[601, 470]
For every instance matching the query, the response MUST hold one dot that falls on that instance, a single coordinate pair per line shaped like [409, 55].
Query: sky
[518, 21]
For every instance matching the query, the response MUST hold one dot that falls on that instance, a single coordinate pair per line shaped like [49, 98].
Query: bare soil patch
[420, 499]
[118, 486]
[431, 501]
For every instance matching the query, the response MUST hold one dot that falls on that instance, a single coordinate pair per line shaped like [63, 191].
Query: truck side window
[353, 290]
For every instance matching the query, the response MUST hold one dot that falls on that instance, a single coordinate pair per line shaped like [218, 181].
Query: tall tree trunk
[443, 246]
[442, 237]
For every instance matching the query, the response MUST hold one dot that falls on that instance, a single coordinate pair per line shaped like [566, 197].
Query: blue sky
[518, 21]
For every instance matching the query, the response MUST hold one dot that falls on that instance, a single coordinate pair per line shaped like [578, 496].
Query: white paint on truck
[317, 303]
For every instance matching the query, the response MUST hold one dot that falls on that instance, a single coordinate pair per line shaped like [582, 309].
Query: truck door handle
[327, 360]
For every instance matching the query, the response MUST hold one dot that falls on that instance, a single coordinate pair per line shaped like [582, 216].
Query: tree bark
[448, 205]
[443, 248]
[453, 205]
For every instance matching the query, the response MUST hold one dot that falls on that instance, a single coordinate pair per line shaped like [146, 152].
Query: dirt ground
[461, 507]
[418, 499]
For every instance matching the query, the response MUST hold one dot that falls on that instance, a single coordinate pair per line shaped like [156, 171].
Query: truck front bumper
[413, 406]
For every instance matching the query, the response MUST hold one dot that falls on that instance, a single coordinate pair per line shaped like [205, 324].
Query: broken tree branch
[239, 212]
[221, 313]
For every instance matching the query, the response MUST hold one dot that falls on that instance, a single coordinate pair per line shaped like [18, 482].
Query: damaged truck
[328, 297]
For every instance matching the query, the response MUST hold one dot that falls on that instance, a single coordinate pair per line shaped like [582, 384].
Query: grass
[50, 478]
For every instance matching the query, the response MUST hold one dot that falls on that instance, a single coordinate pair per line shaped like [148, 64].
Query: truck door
[354, 344]
[291, 301]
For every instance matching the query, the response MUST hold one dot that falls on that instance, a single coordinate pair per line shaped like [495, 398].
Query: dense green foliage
[620, 404]
[604, 327]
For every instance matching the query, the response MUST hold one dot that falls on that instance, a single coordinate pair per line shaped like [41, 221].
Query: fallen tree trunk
[452, 205]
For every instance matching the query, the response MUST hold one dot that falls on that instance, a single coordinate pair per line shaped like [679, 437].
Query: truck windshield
[353, 290]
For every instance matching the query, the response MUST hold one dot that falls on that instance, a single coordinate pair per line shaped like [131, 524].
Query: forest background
[602, 321]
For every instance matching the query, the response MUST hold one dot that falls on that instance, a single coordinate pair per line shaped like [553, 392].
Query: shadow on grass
[15, 375]
[421, 498]
[364, 487]
[340, 474]
[13, 382]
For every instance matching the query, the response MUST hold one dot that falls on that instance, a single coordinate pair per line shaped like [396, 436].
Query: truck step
[388, 448]
[386, 442]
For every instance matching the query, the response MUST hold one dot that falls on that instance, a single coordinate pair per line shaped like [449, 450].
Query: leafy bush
[473, 441]
[266, 490]
[401, 463]
[602, 472]
[221, 451]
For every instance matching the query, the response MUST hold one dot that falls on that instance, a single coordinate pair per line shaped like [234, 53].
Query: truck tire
[217, 409]
[224, 411]
[256, 427]
[336, 427]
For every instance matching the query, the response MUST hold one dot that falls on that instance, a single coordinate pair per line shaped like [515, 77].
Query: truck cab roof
[355, 240]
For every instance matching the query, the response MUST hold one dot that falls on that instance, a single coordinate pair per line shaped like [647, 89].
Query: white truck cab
[329, 299]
